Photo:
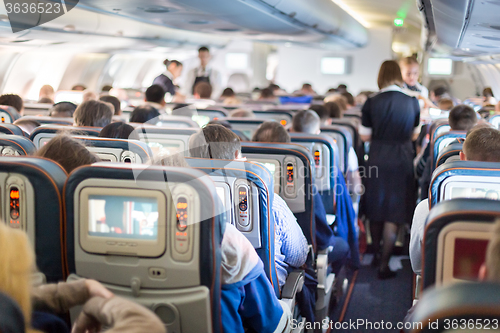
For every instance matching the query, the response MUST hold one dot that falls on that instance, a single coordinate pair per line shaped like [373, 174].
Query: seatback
[459, 307]
[43, 134]
[465, 179]
[167, 256]
[296, 179]
[46, 120]
[343, 140]
[281, 116]
[177, 122]
[456, 236]
[441, 142]
[246, 189]
[34, 109]
[32, 189]
[437, 128]
[326, 157]
[116, 150]
[213, 114]
[495, 121]
[247, 126]
[450, 153]
[164, 140]
[15, 145]
[11, 129]
[8, 114]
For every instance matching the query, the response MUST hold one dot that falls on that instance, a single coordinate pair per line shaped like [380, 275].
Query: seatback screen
[123, 217]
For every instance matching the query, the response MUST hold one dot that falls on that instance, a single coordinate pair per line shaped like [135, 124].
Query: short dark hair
[144, 113]
[342, 87]
[266, 93]
[68, 152]
[462, 118]
[333, 109]
[63, 107]
[306, 86]
[440, 91]
[119, 130]
[12, 100]
[271, 131]
[93, 113]
[306, 121]
[488, 92]
[322, 111]
[106, 88]
[79, 87]
[214, 141]
[114, 101]
[203, 49]
[155, 94]
[349, 97]
[228, 92]
[483, 144]
[204, 89]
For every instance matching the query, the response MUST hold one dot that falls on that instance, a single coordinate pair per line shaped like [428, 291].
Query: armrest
[293, 285]
[322, 268]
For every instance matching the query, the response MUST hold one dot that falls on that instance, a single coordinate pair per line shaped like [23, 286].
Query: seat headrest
[16, 145]
[134, 146]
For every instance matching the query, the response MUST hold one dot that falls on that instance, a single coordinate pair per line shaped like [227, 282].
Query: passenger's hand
[97, 289]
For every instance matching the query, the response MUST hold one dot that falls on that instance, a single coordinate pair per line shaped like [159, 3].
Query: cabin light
[351, 12]
[399, 22]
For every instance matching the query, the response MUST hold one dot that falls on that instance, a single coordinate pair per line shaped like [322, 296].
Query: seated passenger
[145, 114]
[349, 99]
[461, 118]
[90, 95]
[68, 152]
[37, 302]
[482, 144]
[445, 104]
[119, 130]
[46, 94]
[340, 100]
[218, 142]
[203, 90]
[93, 113]
[113, 101]
[62, 110]
[155, 97]
[27, 125]
[13, 100]
[334, 110]
[306, 90]
[247, 297]
[241, 113]
[272, 131]
[227, 93]
[79, 87]
[267, 95]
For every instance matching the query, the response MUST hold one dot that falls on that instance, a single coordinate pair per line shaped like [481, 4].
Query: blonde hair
[493, 255]
[16, 268]
[339, 99]
[408, 61]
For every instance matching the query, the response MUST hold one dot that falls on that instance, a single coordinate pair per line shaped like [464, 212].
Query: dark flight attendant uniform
[391, 118]
[165, 81]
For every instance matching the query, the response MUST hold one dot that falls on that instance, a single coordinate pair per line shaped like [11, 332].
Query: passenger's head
[462, 118]
[27, 125]
[349, 98]
[45, 100]
[271, 131]
[115, 102]
[202, 90]
[78, 87]
[46, 91]
[445, 104]
[62, 110]
[106, 88]
[241, 113]
[482, 144]
[389, 74]
[361, 99]
[437, 93]
[307, 88]
[266, 93]
[228, 92]
[490, 271]
[341, 88]
[89, 95]
[339, 99]
[155, 94]
[93, 113]
[17, 266]
[323, 113]
[119, 130]
[306, 121]
[487, 92]
[174, 67]
[333, 110]
[12, 100]
[410, 70]
[145, 113]
[68, 152]
[215, 141]
[204, 56]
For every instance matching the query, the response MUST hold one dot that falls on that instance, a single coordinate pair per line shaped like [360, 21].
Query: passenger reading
[123, 217]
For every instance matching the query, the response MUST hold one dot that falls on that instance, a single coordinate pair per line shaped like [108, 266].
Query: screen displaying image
[123, 217]
[470, 193]
[161, 149]
[440, 66]
[469, 256]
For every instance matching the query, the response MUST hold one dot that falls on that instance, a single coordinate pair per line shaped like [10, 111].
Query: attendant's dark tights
[388, 231]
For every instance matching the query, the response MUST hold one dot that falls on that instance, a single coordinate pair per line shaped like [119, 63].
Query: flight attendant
[166, 80]
[203, 73]
[390, 121]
